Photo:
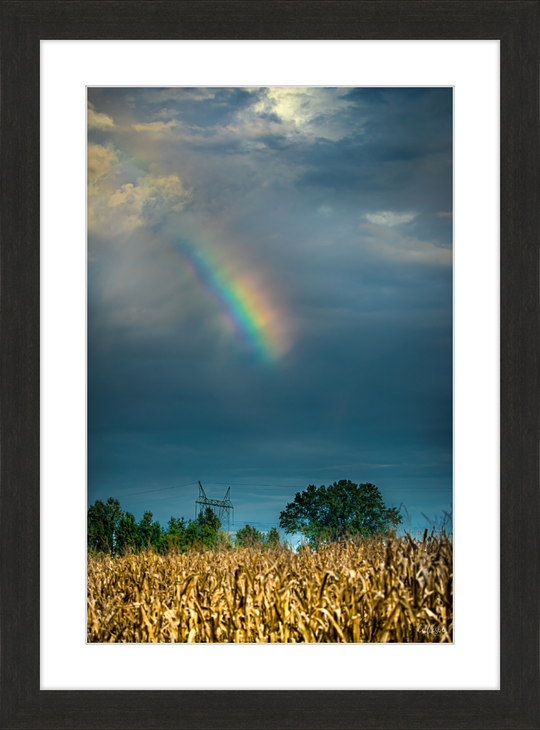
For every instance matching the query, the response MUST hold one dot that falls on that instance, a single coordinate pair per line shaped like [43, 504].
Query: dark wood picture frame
[22, 25]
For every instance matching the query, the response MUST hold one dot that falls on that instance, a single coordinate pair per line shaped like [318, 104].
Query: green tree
[191, 537]
[208, 527]
[271, 540]
[127, 535]
[150, 532]
[249, 536]
[102, 520]
[326, 514]
[175, 536]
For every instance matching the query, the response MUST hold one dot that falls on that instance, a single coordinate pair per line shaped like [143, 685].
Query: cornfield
[392, 590]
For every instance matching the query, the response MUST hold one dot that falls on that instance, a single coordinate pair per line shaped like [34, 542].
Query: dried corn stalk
[391, 590]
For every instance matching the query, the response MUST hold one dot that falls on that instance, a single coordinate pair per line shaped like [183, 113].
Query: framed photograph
[269, 184]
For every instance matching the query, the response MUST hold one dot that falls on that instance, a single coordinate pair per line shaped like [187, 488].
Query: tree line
[112, 530]
[318, 514]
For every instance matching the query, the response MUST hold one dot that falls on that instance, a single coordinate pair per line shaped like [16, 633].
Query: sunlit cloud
[97, 120]
[102, 163]
[155, 127]
[310, 111]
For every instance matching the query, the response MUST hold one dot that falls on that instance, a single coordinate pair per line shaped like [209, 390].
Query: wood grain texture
[22, 25]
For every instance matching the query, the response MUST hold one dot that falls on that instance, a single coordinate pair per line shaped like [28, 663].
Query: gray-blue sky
[330, 212]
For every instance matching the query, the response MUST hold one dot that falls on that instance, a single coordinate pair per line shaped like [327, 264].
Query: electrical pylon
[222, 508]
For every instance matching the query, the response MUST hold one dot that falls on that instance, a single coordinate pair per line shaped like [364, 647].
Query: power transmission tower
[222, 508]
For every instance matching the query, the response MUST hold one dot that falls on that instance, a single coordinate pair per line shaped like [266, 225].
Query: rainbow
[241, 299]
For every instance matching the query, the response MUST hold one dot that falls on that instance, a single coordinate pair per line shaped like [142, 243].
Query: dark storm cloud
[337, 203]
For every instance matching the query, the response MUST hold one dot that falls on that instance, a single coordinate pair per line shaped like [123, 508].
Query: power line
[400, 490]
[247, 484]
[296, 486]
[161, 489]
[176, 496]
[150, 501]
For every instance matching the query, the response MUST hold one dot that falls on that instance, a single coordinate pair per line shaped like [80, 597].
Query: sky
[269, 296]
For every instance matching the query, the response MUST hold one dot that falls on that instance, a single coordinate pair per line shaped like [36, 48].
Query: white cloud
[250, 128]
[96, 120]
[387, 218]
